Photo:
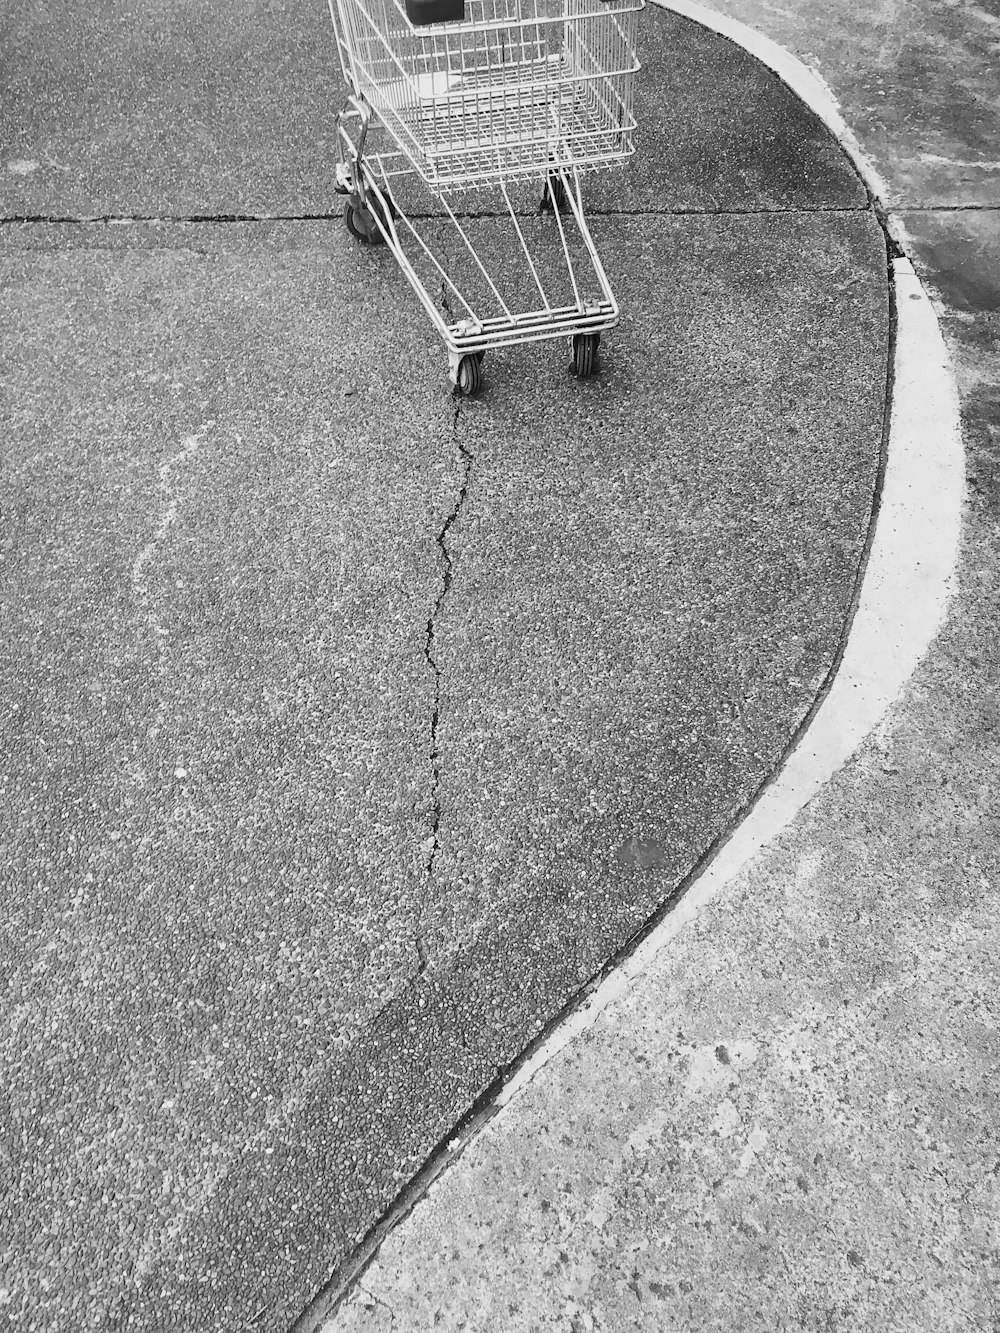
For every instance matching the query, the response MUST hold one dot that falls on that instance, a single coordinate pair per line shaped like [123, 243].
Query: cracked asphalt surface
[289, 629]
[790, 1118]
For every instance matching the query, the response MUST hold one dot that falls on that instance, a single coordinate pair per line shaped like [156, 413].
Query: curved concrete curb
[907, 583]
[902, 602]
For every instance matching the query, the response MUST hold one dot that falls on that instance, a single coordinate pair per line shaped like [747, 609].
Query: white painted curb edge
[907, 584]
[902, 604]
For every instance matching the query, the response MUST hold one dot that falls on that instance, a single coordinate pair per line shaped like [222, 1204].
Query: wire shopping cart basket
[512, 100]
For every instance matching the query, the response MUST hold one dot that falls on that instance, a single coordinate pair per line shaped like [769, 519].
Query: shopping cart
[512, 99]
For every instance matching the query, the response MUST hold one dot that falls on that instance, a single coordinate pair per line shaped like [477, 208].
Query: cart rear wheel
[361, 222]
[470, 374]
[585, 347]
[554, 195]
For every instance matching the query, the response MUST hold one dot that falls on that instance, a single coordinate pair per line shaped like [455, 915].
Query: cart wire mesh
[556, 284]
[516, 88]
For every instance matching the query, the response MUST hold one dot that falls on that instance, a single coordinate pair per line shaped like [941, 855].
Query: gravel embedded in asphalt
[233, 458]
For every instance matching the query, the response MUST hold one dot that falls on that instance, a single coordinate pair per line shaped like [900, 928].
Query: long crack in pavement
[431, 844]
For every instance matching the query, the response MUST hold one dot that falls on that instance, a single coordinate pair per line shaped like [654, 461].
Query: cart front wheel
[361, 222]
[470, 374]
[585, 347]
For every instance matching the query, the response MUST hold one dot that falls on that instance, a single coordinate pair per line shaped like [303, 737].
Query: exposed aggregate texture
[240, 1011]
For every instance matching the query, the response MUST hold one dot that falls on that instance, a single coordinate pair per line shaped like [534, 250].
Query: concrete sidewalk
[790, 1121]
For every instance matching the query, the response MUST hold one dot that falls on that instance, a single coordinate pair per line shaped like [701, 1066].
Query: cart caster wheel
[470, 374]
[554, 196]
[361, 222]
[585, 347]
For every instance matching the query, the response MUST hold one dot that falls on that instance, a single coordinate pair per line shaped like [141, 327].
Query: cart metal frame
[523, 90]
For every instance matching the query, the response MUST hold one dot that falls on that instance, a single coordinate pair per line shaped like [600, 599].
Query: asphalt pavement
[787, 1118]
[351, 728]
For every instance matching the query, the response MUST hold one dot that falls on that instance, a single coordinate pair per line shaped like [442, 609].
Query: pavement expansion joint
[686, 211]
[228, 219]
[948, 208]
[176, 219]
